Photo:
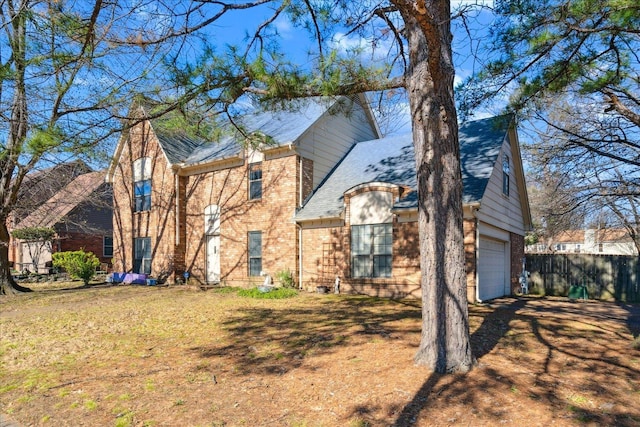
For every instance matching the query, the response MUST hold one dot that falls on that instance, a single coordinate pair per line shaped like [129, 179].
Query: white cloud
[284, 27]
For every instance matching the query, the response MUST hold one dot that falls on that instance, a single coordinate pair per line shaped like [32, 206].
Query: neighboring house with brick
[37, 187]
[361, 224]
[80, 214]
[605, 241]
[325, 198]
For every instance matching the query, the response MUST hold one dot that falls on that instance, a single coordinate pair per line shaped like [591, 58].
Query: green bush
[285, 278]
[79, 264]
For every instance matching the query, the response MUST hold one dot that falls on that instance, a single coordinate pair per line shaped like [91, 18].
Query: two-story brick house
[223, 211]
[327, 197]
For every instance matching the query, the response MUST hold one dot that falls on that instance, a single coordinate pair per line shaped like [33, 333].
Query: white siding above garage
[499, 209]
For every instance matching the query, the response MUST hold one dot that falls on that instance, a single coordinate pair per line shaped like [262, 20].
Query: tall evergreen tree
[572, 67]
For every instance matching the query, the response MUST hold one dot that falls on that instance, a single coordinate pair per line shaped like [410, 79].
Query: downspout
[300, 227]
[299, 256]
[177, 213]
[474, 210]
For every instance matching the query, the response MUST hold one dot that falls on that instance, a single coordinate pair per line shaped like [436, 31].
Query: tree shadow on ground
[633, 319]
[495, 329]
[273, 341]
[494, 326]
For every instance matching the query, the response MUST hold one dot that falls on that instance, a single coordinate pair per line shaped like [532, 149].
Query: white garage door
[492, 268]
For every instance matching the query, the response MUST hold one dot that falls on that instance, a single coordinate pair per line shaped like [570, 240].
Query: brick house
[80, 214]
[225, 212]
[361, 224]
[601, 241]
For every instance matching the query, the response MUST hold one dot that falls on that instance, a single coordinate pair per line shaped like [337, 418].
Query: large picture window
[255, 253]
[142, 255]
[255, 181]
[142, 184]
[371, 250]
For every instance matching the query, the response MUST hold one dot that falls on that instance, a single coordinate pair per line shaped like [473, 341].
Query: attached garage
[493, 269]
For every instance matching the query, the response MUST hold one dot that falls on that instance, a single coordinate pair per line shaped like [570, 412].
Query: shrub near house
[79, 264]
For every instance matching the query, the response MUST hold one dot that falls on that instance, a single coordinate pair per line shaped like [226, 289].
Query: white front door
[212, 235]
[213, 258]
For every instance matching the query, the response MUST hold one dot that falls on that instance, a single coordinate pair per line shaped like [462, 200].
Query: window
[255, 181]
[107, 246]
[255, 253]
[142, 184]
[371, 249]
[600, 247]
[142, 258]
[505, 175]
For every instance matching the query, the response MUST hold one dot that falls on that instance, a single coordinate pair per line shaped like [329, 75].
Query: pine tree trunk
[445, 344]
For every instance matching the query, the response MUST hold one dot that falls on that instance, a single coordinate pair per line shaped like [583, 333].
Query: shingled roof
[282, 127]
[391, 160]
[57, 207]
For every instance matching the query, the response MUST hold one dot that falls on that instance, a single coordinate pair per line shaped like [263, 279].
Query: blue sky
[295, 42]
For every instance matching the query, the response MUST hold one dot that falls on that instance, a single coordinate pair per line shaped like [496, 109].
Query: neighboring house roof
[40, 185]
[603, 235]
[391, 160]
[64, 201]
[568, 236]
[612, 235]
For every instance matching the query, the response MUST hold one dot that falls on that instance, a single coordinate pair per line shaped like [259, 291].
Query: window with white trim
[142, 255]
[371, 250]
[142, 184]
[255, 181]
[255, 253]
[506, 169]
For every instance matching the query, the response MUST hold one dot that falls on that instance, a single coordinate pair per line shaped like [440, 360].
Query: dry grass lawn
[152, 356]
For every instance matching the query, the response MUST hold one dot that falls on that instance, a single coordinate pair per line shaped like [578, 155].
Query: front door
[213, 258]
[212, 235]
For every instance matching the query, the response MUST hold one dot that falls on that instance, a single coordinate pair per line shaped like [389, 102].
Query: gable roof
[40, 185]
[391, 160]
[602, 235]
[283, 127]
[64, 201]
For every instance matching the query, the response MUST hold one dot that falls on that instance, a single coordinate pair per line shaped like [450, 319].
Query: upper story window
[505, 175]
[255, 181]
[142, 184]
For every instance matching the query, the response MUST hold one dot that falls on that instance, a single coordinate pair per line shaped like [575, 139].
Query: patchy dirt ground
[146, 356]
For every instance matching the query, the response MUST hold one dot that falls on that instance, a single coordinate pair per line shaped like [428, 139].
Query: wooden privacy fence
[606, 277]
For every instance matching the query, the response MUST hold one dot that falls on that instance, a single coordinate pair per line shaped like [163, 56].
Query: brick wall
[159, 222]
[326, 255]
[272, 215]
[517, 254]
[73, 241]
[469, 227]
